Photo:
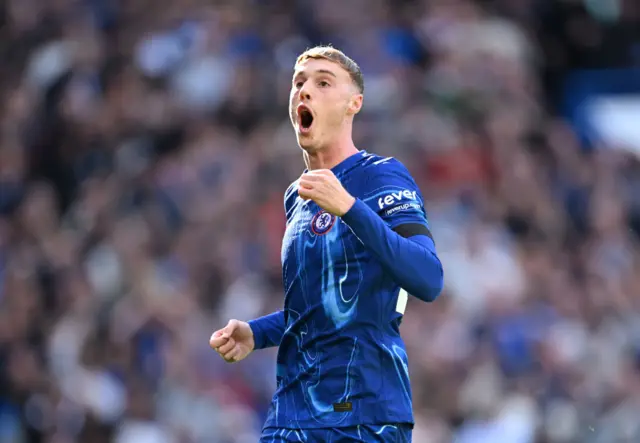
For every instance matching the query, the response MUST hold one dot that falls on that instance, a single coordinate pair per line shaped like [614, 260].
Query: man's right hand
[233, 342]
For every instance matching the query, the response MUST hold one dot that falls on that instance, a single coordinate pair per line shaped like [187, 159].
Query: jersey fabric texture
[341, 361]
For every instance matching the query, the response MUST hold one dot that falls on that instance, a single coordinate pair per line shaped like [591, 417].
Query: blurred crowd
[144, 152]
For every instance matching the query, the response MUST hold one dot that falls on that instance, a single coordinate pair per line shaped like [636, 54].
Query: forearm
[268, 330]
[412, 262]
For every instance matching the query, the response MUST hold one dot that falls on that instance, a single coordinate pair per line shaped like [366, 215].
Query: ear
[355, 104]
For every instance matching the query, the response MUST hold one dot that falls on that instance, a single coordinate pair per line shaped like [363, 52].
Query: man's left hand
[324, 188]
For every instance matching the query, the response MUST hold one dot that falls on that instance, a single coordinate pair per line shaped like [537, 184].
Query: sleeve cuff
[257, 334]
[357, 211]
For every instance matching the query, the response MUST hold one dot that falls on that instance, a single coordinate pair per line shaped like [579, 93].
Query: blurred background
[144, 152]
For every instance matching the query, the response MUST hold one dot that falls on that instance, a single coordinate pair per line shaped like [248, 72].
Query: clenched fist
[233, 342]
[324, 188]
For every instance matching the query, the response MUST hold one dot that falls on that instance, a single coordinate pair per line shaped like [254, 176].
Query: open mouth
[305, 118]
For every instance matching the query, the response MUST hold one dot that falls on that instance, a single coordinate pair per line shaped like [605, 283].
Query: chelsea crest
[322, 222]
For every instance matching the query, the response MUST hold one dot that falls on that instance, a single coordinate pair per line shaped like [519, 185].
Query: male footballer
[356, 242]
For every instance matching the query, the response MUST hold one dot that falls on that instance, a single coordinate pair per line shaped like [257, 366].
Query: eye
[323, 83]
[299, 84]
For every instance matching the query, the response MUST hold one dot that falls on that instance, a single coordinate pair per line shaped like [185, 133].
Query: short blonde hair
[337, 56]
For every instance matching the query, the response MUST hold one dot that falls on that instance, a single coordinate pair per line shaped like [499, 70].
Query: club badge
[322, 222]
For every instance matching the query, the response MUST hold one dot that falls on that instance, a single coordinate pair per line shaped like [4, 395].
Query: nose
[304, 93]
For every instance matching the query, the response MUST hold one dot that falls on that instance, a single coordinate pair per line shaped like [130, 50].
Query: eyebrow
[317, 71]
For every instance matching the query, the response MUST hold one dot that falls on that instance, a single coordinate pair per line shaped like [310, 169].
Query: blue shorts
[362, 433]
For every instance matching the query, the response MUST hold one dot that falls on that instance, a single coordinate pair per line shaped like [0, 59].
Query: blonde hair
[337, 56]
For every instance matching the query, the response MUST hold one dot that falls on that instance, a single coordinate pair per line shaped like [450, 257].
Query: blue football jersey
[341, 361]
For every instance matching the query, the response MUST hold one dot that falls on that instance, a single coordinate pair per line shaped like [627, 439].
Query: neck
[330, 155]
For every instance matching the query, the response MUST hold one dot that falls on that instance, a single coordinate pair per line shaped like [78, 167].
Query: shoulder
[378, 173]
[375, 168]
[387, 187]
[292, 190]
[290, 195]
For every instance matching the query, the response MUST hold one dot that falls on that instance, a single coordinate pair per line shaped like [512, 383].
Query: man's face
[321, 91]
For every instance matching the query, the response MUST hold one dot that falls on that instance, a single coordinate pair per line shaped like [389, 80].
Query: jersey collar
[348, 162]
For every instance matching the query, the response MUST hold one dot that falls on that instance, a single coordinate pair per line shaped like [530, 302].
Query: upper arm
[393, 194]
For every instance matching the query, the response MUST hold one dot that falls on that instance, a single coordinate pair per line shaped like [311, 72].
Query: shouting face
[323, 99]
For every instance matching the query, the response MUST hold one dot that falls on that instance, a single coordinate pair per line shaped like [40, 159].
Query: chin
[307, 145]
[306, 142]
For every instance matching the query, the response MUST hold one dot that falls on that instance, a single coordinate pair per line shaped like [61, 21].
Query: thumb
[231, 327]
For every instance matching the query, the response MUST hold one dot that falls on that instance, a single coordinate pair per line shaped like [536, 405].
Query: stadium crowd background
[144, 152]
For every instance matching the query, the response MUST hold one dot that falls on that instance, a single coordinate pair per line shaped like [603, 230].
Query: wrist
[256, 333]
[348, 204]
[356, 211]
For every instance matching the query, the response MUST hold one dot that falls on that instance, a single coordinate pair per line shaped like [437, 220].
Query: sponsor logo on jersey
[395, 197]
[322, 222]
[403, 207]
